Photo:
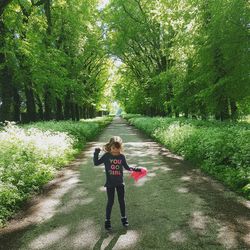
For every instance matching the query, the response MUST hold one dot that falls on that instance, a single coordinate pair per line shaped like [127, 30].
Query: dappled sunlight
[164, 169]
[106, 241]
[77, 162]
[246, 239]
[47, 239]
[186, 178]
[42, 208]
[82, 236]
[102, 189]
[151, 174]
[72, 204]
[85, 237]
[143, 163]
[215, 184]
[46, 208]
[145, 148]
[182, 190]
[198, 222]
[78, 197]
[167, 153]
[49, 205]
[178, 237]
[127, 240]
[78, 193]
[244, 221]
[140, 144]
[245, 203]
[227, 236]
[127, 134]
[194, 177]
[184, 202]
[142, 181]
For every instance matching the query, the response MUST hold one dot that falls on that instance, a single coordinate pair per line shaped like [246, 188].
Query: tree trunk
[77, 112]
[40, 108]
[47, 8]
[67, 115]
[203, 112]
[222, 111]
[91, 112]
[234, 110]
[17, 105]
[72, 111]
[6, 95]
[59, 110]
[80, 112]
[47, 104]
[5, 78]
[169, 97]
[48, 94]
[30, 103]
[85, 112]
[177, 114]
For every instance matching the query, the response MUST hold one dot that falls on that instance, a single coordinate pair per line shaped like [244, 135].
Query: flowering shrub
[220, 149]
[30, 156]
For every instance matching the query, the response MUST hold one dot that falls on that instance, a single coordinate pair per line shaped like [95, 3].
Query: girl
[114, 162]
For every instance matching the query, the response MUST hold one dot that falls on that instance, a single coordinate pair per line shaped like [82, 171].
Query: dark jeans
[111, 196]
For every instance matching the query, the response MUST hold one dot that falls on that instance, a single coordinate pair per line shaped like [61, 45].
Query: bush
[220, 148]
[30, 155]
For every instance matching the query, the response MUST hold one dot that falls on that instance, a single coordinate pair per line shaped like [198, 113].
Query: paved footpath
[174, 207]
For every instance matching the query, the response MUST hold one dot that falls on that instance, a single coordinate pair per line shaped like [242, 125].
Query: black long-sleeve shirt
[113, 167]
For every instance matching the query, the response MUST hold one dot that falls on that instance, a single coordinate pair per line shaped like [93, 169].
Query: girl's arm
[126, 166]
[96, 156]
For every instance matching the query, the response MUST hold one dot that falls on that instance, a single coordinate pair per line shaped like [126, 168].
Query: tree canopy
[52, 60]
[181, 57]
[177, 58]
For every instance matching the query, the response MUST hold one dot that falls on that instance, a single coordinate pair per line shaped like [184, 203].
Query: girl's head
[114, 145]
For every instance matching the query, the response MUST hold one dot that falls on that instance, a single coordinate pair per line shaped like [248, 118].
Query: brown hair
[115, 141]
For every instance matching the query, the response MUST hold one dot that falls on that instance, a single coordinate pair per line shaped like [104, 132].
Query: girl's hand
[137, 169]
[97, 150]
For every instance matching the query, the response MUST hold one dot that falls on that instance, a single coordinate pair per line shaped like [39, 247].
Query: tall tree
[5, 75]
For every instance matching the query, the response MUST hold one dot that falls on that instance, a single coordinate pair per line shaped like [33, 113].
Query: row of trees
[52, 59]
[187, 57]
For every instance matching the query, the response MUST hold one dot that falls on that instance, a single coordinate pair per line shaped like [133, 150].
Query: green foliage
[81, 131]
[30, 156]
[55, 57]
[221, 149]
[187, 57]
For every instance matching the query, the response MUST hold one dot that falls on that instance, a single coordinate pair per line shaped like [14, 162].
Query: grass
[174, 207]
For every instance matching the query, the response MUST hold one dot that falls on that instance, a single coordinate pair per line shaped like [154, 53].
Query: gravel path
[174, 207]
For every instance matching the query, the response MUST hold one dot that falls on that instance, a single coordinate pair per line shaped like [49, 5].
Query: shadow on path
[174, 207]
